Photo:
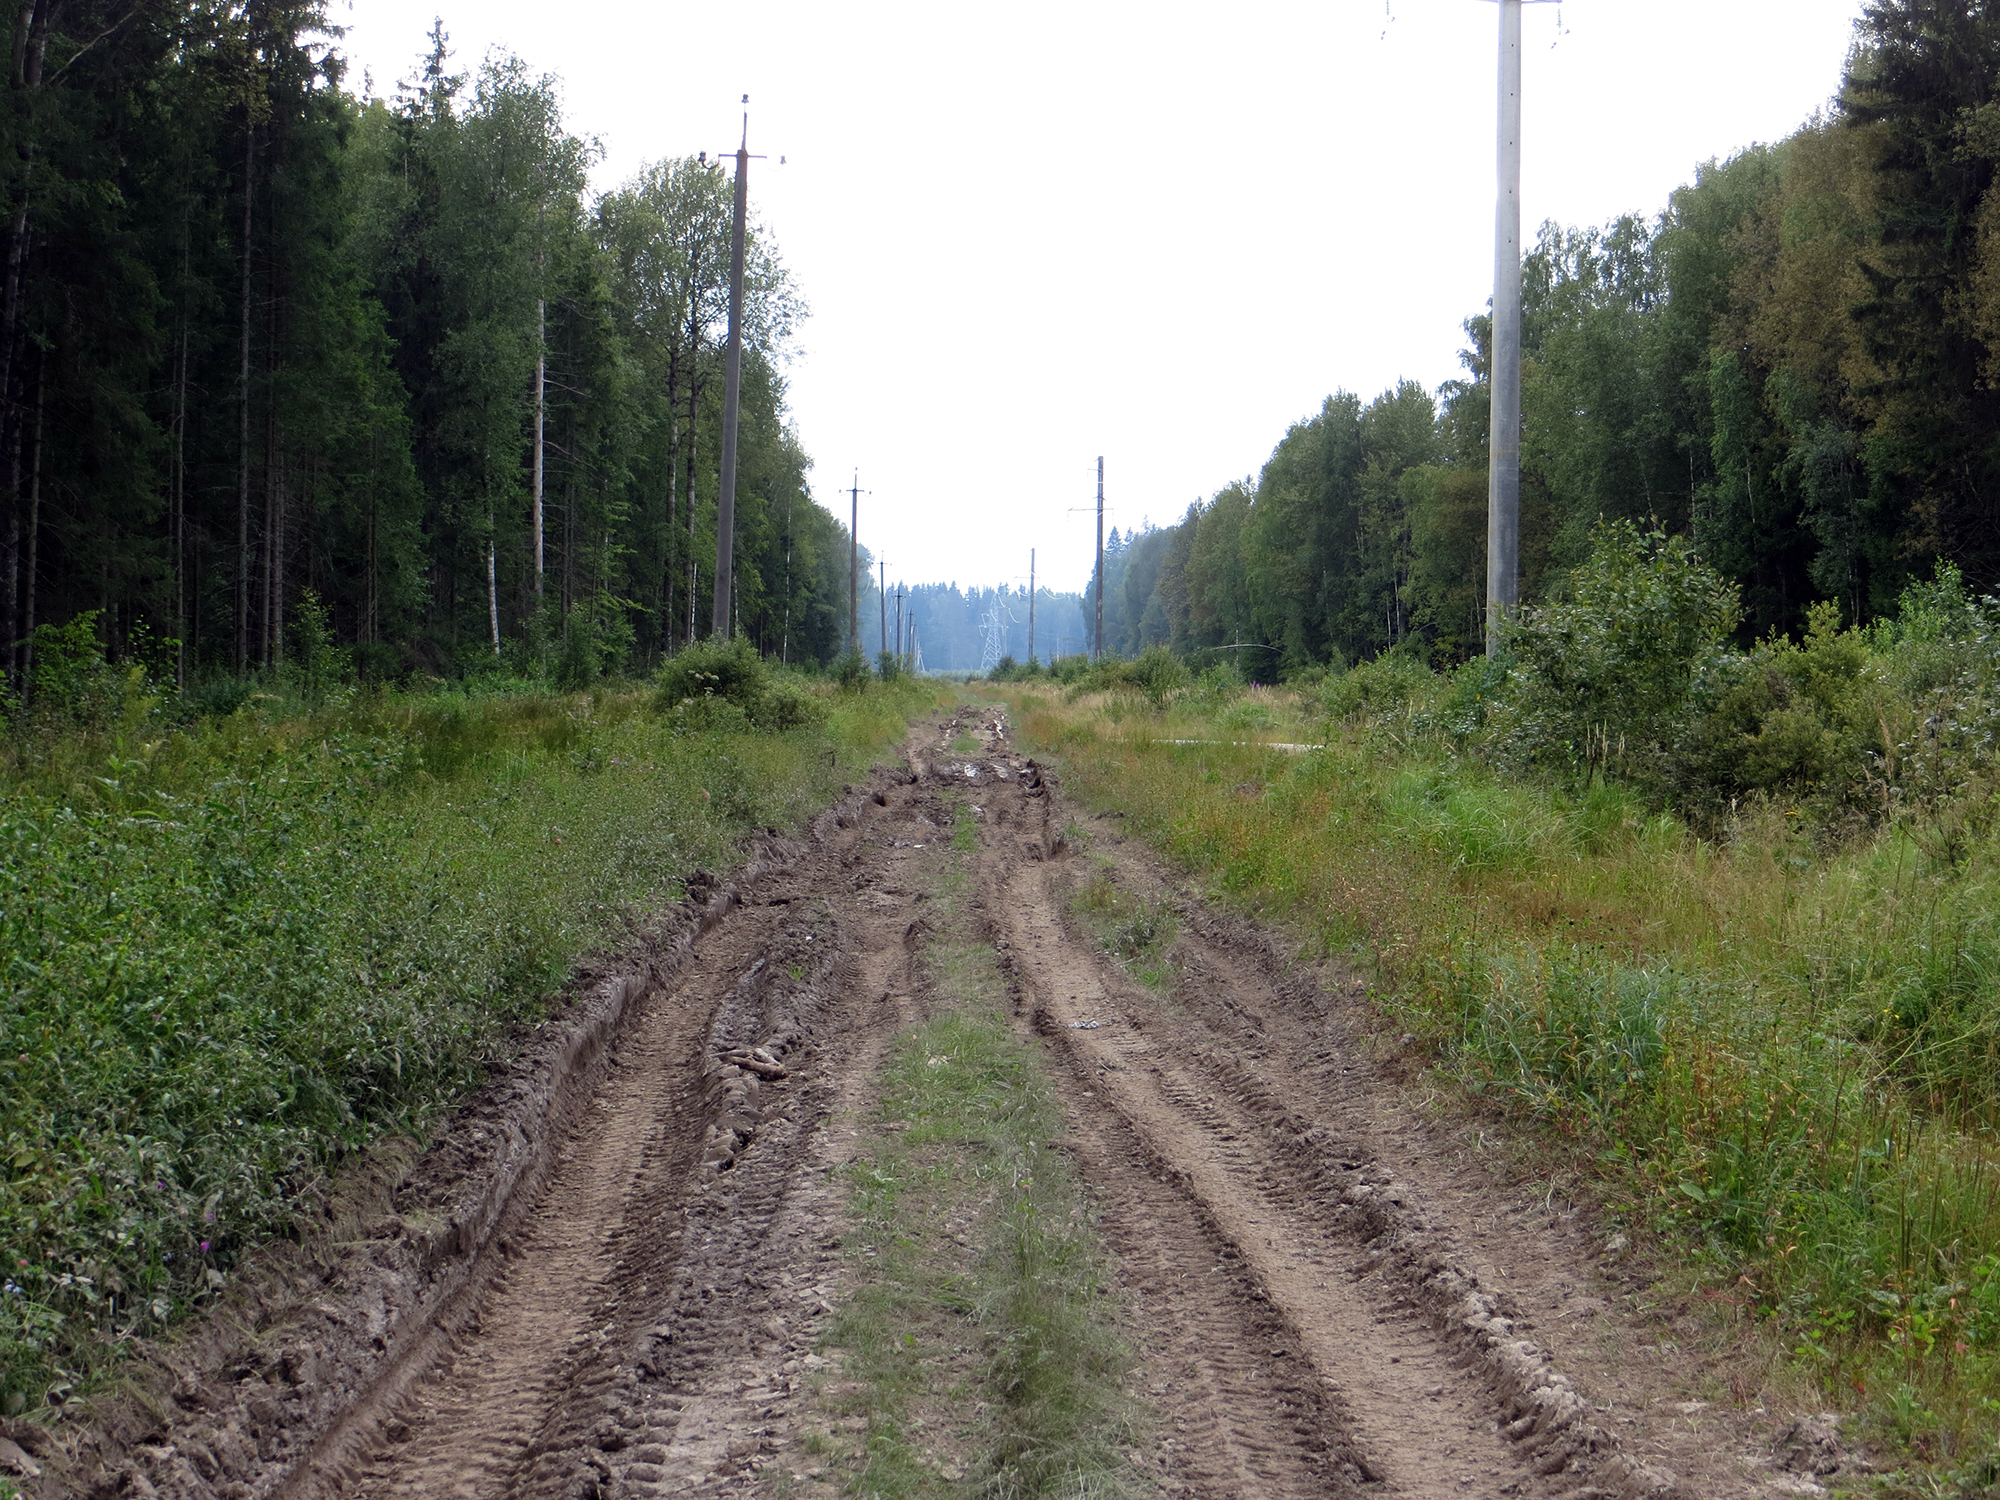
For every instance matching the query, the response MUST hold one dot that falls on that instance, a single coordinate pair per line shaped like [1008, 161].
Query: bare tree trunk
[178, 491]
[541, 415]
[243, 413]
[10, 565]
[31, 40]
[493, 593]
[274, 557]
[673, 483]
[373, 599]
[34, 544]
[693, 447]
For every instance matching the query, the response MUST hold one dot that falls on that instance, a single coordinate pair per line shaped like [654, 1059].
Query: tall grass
[1780, 1049]
[238, 950]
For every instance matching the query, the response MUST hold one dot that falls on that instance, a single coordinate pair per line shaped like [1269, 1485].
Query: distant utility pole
[854, 566]
[882, 598]
[1031, 606]
[732, 390]
[1098, 651]
[900, 653]
[1503, 479]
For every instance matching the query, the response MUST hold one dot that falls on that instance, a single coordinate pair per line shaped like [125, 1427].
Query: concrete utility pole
[1098, 638]
[854, 566]
[1503, 481]
[732, 389]
[1031, 606]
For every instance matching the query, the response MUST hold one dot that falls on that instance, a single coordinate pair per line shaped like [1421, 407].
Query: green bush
[1159, 674]
[1372, 688]
[851, 672]
[1613, 676]
[1069, 670]
[1797, 718]
[77, 685]
[725, 685]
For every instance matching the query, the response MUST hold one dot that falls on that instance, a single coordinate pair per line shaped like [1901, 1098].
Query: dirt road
[1325, 1295]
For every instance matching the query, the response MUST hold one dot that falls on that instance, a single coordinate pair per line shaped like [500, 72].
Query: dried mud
[609, 1276]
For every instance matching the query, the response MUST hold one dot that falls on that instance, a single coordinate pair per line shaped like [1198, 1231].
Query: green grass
[1779, 1050]
[978, 1342]
[1138, 932]
[238, 951]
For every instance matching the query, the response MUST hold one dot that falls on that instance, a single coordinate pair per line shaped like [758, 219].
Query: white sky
[1158, 232]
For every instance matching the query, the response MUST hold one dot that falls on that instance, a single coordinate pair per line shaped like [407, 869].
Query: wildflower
[204, 1247]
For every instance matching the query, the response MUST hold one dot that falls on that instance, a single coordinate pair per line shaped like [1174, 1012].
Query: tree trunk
[493, 593]
[693, 447]
[673, 483]
[243, 412]
[274, 555]
[541, 415]
[31, 41]
[10, 566]
[34, 545]
[177, 489]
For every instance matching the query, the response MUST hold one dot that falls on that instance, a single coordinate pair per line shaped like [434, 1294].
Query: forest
[272, 352]
[1792, 365]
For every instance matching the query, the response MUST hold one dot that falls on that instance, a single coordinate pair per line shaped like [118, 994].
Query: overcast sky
[1159, 232]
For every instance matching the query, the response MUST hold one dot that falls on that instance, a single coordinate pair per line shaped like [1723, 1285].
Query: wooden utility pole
[882, 599]
[1031, 606]
[900, 653]
[1098, 653]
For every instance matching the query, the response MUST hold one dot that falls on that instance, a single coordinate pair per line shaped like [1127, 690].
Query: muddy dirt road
[1325, 1297]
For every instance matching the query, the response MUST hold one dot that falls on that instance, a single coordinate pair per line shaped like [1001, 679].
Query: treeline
[269, 350]
[1794, 365]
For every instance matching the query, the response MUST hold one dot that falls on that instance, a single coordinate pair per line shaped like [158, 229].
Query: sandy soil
[610, 1276]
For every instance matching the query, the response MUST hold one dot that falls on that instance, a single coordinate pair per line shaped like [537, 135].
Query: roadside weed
[1776, 1048]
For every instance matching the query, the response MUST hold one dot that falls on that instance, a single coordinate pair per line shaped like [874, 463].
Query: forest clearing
[538, 961]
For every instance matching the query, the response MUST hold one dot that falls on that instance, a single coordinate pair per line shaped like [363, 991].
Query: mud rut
[1307, 1323]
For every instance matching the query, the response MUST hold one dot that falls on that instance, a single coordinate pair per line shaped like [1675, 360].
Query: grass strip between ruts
[978, 1351]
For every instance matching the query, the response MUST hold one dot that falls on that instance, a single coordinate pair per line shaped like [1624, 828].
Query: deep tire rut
[644, 1315]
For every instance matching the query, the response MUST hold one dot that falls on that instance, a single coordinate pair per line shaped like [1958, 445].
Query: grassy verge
[1748, 1043]
[236, 951]
[980, 1355]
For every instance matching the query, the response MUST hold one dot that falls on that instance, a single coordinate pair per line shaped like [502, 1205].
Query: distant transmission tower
[994, 622]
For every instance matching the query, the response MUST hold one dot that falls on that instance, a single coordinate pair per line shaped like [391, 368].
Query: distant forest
[272, 352]
[1797, 364]
[952, 625]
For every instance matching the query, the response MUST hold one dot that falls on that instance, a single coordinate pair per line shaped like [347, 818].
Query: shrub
[1796, 719]
[1159, 674]
[726, 685]
[1376, 687]
[1610, 676]
[851, 672]
[1069, 670]
[76, 684]
[324, 666]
